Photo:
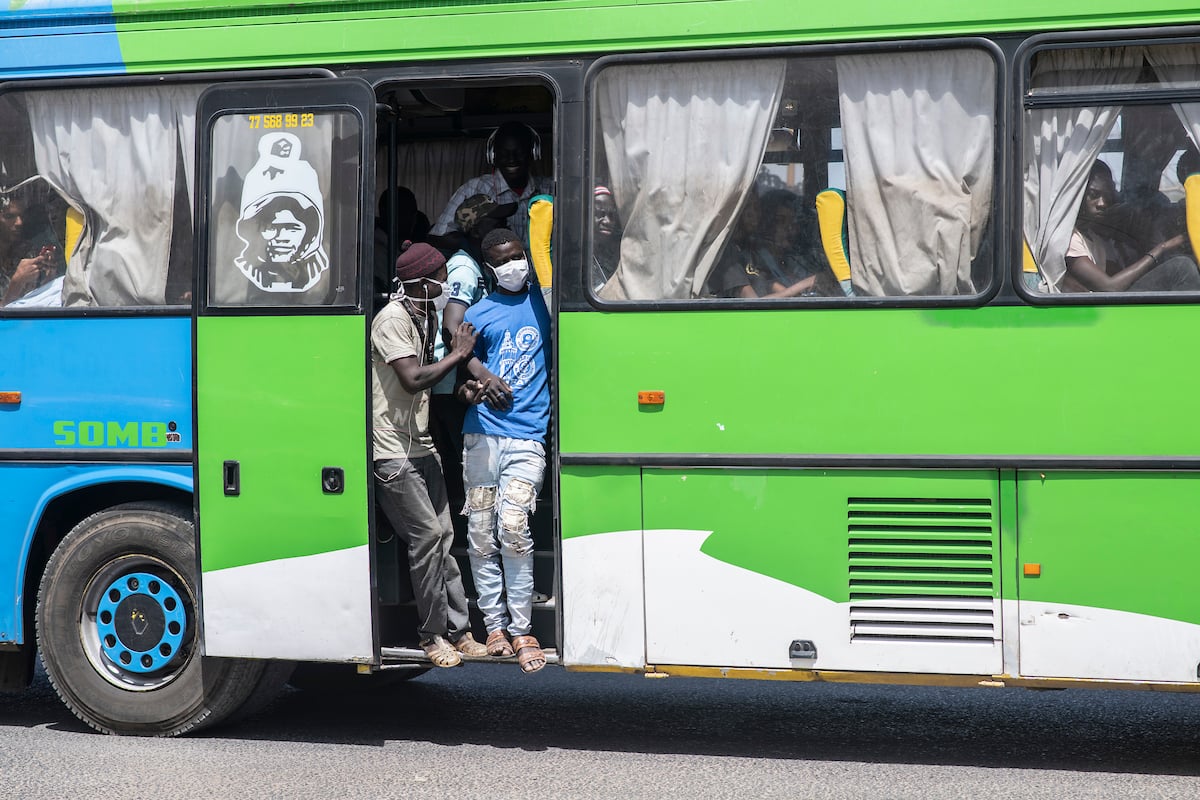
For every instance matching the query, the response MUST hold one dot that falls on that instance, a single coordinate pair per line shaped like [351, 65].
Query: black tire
[184, 692]
[344, 678]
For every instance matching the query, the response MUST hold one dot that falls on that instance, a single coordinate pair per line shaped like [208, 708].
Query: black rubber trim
[923, 461]
[96, 455]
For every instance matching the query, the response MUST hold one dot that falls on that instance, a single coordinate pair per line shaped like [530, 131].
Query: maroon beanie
[417, 261]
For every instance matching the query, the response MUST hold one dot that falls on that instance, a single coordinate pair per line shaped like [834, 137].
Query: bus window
[284, 204]
[107, 173]
[1107, 190]
[715, 168]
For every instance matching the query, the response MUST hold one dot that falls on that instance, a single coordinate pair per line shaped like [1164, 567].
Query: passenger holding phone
[25, 262]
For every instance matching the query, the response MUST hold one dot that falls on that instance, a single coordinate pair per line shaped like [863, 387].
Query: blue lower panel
[25, 491]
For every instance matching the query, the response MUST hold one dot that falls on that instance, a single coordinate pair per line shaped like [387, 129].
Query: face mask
[513, 275]
[438, 302]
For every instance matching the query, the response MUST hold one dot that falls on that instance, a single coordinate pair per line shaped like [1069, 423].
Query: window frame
[1023, 99]
[1001, 145]
[207, 79]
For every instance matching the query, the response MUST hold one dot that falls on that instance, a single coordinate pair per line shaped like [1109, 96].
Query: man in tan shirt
[408, 474]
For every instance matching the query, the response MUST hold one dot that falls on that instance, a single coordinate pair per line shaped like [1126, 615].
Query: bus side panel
[1109, 590]
[111, 388]
[883, 571]
[27, 488]
[603, 613]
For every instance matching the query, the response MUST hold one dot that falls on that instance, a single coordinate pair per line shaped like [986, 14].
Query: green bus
[863, 328]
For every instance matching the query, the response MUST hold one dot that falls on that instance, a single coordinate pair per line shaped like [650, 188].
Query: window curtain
[684, 143]
[1061, 144]
[918, 139]
[1178, 67]
[112, 154]
[434, 170]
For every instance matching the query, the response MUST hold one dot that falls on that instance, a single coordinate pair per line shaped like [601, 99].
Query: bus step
[397, 657]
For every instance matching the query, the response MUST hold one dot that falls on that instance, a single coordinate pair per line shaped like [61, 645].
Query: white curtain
[433, 170]
[918, 140]
[1061, 144]
[112, 153]
[684, 143]
[1178, 67]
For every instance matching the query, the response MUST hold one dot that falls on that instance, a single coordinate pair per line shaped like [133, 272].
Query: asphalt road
[489, 732]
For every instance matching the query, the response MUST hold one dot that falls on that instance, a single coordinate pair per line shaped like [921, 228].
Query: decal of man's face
[283, 235]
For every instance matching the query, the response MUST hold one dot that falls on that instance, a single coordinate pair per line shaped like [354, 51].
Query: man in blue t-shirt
[504, 454]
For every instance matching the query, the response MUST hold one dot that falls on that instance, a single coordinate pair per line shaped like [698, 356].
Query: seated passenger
[606, 237]
[1101, 259]
[512, 149]
[743, 271]
[30, 255]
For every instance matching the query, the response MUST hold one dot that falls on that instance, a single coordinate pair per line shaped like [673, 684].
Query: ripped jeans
[502, 477]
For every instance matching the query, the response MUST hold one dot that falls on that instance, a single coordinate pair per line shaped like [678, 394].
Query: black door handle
[233, 478]
[333, 480]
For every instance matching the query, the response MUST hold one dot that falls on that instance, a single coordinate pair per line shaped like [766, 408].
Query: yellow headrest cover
[541, 224]
[831, 218]
[1027, 262]
[73, 232]
[1191, 205]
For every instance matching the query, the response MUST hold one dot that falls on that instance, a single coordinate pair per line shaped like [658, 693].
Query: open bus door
[281, 398]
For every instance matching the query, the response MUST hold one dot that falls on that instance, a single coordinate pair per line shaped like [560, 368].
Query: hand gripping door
[282, 479]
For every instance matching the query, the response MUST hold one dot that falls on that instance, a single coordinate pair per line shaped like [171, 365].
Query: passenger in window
[30, 256]
[788, 245]
[504, 456]
[512, 149]
[1100, 259]
[476, 218]
[408, 476]
[606, 237]
[744, 271]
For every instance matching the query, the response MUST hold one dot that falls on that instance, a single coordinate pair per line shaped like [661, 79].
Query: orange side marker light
[1033, 570]
[10, 398]
[651, 398]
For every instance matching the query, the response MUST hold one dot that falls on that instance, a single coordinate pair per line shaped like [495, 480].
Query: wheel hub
[140, 621]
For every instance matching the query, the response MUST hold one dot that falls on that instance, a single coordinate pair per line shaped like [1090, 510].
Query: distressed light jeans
[412, 494]
[503, 477]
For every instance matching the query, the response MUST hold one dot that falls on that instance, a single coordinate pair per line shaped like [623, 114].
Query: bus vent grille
[922, 570]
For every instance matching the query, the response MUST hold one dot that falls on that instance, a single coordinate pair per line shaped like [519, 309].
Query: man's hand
[462, 343]
[491, 390]
[26, 276]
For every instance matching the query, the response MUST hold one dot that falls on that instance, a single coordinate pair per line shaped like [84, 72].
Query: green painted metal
[819, 530]
[600, 499]
[1006, 381]
[284, 396]
[177, 35]
[1112, 540]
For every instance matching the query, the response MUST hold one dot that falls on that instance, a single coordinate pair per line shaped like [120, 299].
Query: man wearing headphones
[512, 148]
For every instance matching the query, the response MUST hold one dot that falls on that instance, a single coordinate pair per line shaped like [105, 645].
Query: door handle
[333, 480]
[233, 478]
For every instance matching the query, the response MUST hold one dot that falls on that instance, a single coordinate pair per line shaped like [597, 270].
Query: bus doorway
[455, 160]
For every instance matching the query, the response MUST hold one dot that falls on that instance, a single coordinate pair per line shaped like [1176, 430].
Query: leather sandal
[467, 645]
[440, 653]
[529, 653]
[498, 645]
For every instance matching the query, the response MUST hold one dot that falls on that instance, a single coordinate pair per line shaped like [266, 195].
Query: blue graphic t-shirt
[512, 332]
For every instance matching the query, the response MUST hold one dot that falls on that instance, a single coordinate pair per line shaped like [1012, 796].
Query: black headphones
[535, 150]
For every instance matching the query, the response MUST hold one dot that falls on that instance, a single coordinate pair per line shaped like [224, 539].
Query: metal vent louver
[922, 570]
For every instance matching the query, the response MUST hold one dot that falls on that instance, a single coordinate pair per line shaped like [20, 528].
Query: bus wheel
[116, 627]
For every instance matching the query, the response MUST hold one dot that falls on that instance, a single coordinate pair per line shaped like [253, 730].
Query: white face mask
[438, 302]
[513, 275]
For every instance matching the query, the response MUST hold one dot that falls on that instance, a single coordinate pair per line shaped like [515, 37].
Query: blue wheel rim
[141, 622]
